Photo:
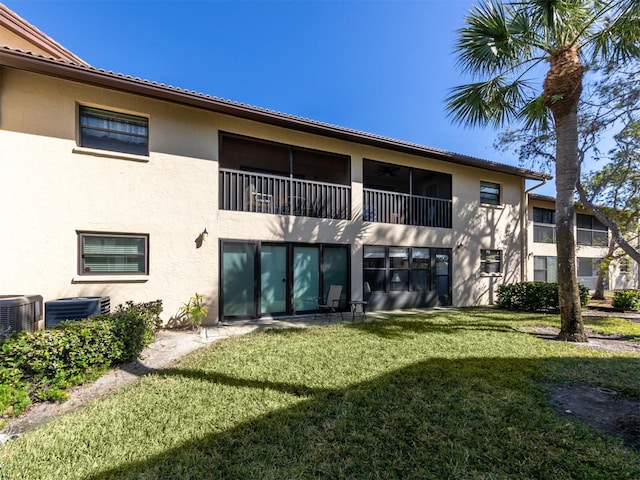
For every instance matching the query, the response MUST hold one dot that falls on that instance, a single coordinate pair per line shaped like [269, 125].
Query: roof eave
[57, 68]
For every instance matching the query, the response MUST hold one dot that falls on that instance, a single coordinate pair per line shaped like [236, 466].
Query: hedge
[534, 296]
[41, 365]
[626, 299]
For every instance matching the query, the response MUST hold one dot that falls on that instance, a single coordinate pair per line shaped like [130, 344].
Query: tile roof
[85, 73]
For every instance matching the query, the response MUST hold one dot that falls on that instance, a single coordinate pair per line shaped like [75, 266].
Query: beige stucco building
[109, 184]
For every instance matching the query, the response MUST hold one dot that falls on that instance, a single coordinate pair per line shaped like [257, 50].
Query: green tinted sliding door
[306, 278]
[273, 279]
[238, 279]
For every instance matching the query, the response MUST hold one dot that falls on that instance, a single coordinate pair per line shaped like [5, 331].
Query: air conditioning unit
[21, 312]
[75, 308]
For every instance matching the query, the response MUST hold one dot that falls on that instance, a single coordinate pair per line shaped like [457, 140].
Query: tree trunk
[562, 88]
[602, 271]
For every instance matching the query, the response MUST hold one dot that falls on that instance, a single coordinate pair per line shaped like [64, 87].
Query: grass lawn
[444, 395]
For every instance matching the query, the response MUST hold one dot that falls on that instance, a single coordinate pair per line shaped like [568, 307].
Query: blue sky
[382, 67]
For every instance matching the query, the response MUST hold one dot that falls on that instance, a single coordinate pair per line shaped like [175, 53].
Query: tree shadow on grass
[468, 418]
[397, 327]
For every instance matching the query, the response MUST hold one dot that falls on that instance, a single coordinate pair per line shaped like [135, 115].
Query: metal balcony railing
[253, 192]
[389, 207]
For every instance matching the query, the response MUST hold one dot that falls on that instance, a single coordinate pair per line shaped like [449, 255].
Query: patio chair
[329, 304]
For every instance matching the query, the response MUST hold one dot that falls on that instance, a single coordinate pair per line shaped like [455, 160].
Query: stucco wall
[52, 189]
[617, 279]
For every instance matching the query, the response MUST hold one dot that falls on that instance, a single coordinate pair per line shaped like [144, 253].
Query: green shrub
[626, 299]
[534, 296]
[50, 361]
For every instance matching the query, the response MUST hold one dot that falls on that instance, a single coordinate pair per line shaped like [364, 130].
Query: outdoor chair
[329, 304]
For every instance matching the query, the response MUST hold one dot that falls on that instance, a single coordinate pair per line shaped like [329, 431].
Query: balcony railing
[254, 192]
[389, 207]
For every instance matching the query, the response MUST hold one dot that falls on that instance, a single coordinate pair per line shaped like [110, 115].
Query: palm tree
[503, 45]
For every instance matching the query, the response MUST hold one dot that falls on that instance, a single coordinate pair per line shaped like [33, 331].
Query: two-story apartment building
[592, 244]
[117, 186]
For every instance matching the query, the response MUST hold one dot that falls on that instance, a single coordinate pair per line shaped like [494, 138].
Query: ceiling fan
[387, 171]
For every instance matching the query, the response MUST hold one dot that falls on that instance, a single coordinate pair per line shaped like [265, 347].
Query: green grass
[443, 395]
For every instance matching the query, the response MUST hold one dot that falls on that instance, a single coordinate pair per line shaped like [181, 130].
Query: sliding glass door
[279, 278]
[273, 279]
[238, 279]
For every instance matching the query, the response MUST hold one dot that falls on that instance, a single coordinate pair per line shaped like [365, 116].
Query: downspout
[525, 230]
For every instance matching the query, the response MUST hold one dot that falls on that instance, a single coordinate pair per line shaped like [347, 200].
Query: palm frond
[493, 39]
[561, 22]
[493, 102]
[619, 38]
[536, 116]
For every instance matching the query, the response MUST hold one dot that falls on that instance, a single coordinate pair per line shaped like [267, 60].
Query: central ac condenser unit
[20, 312]
[75, 308]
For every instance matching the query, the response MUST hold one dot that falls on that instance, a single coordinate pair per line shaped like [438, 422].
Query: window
[625, 265]
[113, 254]
[588, 267]
[591, 231]
[490, 193]
[117, 132]
[544, 225]
[545, 269]
[491, 261]
[397, 269]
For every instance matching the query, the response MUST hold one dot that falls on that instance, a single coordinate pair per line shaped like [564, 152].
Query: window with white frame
[490, 193]
[544, 225]
[590, 231]
[113, 131]
[545, 269]
[113, 254]
[491, 261]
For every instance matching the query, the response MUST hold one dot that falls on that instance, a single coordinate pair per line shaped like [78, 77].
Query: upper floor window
[116, 132]
[490, 193]
[113, 254]
[544, 228]
[591, 231]
[491, 261]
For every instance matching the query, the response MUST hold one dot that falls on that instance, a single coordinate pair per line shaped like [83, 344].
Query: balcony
[402, 208]
[242, 191]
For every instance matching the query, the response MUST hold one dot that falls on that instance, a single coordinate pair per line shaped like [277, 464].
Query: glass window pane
[399, 281]
[399, 257]
[375, 279]
[585, 267]
[238, 273]
[273, 278]
[583, 237]
[113, 254]
[421, 280]
[374, 257]
[335, 261]
[544, 234]
[113, 131]
[552, 269]
[539, 276]
[490, 193]
[540, 263]
[583, 221]
[306, 278]
[599, 239]
[420, 258]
